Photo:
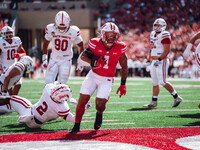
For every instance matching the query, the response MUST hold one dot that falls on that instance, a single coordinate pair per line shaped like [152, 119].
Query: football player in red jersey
[160, 47]
[102, 55]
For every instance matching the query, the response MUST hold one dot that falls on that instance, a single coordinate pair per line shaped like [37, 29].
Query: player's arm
[45, 49]
[14, 72]
[124, 74]
[190, 44]
[81, 47]
[21, 52]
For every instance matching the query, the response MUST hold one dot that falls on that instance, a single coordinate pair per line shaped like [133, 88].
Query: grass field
[125, 112]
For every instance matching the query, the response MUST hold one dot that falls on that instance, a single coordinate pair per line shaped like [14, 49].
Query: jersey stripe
[21, 101]
[63, 113]
[21, 67]
[92, 45]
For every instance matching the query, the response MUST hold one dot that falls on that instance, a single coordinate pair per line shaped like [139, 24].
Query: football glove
[79, 67]
[19, 55]
[45, 62]
[98, 62]
[156, 63]
[122, 90]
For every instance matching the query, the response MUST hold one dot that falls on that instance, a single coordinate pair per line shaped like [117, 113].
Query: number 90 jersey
[112, 56]
[157, 42]
[62, 42]
[8, 50]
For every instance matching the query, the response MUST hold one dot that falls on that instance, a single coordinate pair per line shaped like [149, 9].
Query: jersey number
[106, 65]
[152, 45]
[10, 54]
[61, 44]
[42, 108]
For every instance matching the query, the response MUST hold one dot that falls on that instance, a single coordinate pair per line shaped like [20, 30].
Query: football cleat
[74, 130]
[151, 104]
[98, 121]
[177, 101]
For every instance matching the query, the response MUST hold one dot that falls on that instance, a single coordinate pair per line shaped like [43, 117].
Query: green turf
[125, 112]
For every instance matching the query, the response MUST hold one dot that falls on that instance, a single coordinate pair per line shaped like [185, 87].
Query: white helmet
[106, 28]
[27, 61]
[162, 23]
[62, 19]
[7, 32]
[61, 93]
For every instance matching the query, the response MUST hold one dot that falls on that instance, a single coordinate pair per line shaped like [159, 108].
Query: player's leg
[87, 89]
[102, 96]
[156, 87]
[162, 74]
[64, 71]
[51, 72]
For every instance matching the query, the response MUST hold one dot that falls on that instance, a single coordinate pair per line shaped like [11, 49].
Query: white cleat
[152, 104]
[177, 101]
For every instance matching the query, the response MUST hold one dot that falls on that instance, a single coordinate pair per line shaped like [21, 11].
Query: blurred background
[134, 18]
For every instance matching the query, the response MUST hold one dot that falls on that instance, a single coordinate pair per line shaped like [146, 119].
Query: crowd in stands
[4, 19]
[135, 19]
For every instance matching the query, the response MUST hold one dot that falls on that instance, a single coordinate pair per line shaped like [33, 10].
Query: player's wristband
[123, 82]
[44, 57]
[159, 59]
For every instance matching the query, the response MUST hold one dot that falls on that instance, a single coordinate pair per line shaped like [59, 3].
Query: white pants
[62, 69]
[101, 84]
[23, 107]
[159, 73]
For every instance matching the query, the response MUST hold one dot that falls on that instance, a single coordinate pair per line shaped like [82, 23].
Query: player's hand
[156, 63]
[16, 55]
[148, 66]
[98, 62]
[44, 64]
[79, 67]
[122, 90]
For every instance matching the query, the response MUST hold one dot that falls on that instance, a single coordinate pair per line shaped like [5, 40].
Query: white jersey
[8, 50]
[62, 42]
[46, 109]
[15, 79]
[156, 42]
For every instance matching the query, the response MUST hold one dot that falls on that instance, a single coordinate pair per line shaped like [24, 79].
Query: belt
[37, 121]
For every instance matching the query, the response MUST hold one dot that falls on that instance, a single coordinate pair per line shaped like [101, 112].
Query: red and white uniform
[159, 73]
[45, 109]
[8, 50]
[62, 53]
[13, 81]
[16, 79]
[101, 79]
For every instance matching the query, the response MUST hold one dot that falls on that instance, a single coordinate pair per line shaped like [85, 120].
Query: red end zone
[159, 138]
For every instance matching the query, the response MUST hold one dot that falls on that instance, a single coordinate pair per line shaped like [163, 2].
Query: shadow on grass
[141, 109]
[192, 116]
[21, 127]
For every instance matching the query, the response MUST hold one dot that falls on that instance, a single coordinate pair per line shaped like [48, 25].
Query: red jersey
[112, 56]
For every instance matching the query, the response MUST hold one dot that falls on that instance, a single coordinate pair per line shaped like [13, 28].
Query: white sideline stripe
[103, 121]
[116, 123]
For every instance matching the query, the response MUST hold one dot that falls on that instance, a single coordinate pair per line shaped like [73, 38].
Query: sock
[76, 126]
[174, 94]
[154, 98]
